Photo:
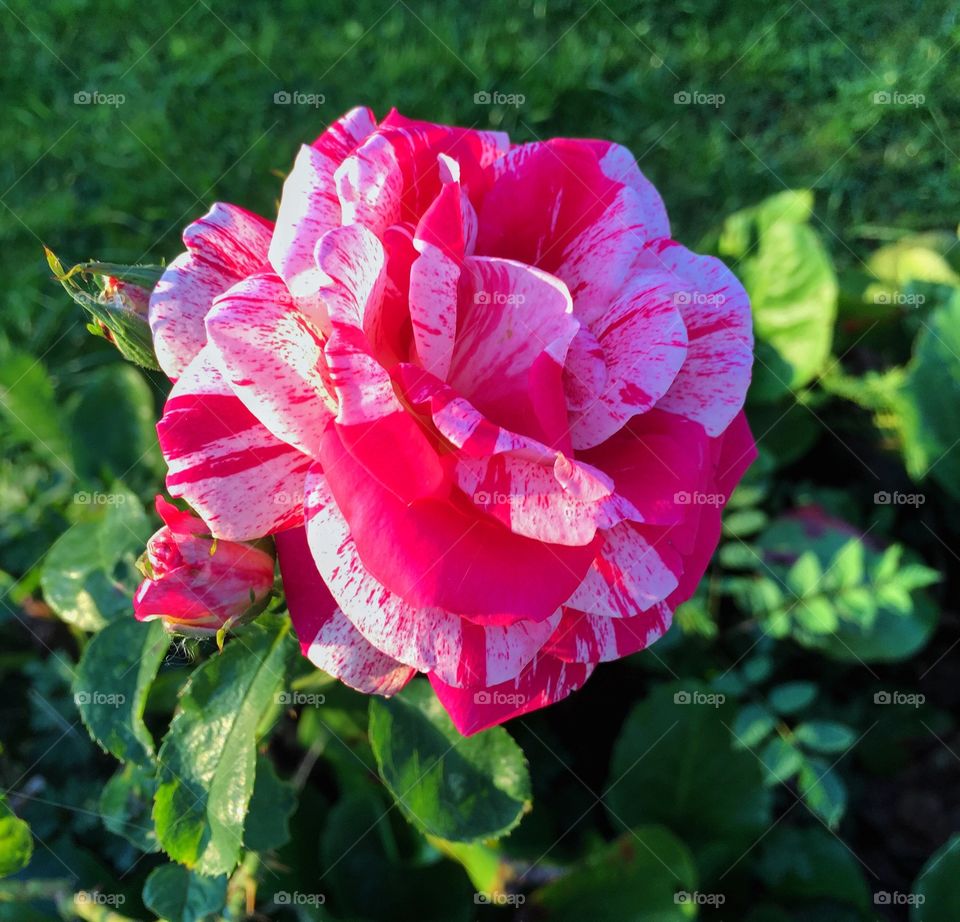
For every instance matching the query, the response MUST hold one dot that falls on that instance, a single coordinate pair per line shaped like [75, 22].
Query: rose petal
[242, 481]
[225, 245]
[327, 637]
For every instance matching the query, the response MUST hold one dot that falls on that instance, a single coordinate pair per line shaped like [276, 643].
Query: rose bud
[197, 584]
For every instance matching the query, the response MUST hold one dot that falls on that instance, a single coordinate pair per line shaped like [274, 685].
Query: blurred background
[814, 148]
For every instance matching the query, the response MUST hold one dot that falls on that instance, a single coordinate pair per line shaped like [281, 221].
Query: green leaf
[268, 818]
[781, 760]
[937, 885]
[675, 763]
[16, 841]
[752, 725]
[179, 895]
[825, 735]
[928, 422]
[112, 680]
[126, 804]
[886, 617]
[805, 864]
[793, 290]
[637, 877]
[823, 791]
[112, 424]
[368, 872]
[792, 697]
[90, 574]
[463, 789]
[29, 407]
[208, 758]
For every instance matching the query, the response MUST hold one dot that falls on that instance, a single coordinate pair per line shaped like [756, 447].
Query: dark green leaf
[457, 788]
[208, 758]
[792, 697]
[179, 895]
[825, 735]
[268, 817]
[112, 682]
[646, 875]
[126, 804]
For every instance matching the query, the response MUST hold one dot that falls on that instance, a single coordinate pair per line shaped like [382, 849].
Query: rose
[197, 585]
[472, 362]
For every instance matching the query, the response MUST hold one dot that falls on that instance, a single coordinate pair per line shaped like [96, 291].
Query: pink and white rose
[488, 408]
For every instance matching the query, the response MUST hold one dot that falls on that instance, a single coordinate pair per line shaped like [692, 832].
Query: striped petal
[327, 637]
[585, 638]
[224, 246]
[543, 682]
[426, 639]
[272, 357]
[242, 481]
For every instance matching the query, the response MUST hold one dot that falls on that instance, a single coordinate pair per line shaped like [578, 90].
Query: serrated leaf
[111, 684]
[177, 894]
[463, 789]
[208, 758]
[825, 735]
[267, 825]
[16, 841]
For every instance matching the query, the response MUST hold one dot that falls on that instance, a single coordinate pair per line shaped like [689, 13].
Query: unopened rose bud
[116, 298]
[197, 584]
